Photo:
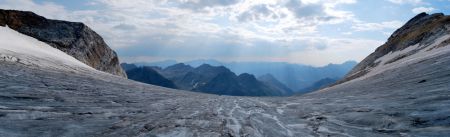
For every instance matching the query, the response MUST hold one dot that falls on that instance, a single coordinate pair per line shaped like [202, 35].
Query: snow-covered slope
[16, 47]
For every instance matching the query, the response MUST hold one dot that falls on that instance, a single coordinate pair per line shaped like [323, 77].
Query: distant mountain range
[207, 79]
[295, 76]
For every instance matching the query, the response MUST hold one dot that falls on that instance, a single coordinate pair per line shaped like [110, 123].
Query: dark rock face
[421, 29]
[73, 38]
[149, 76]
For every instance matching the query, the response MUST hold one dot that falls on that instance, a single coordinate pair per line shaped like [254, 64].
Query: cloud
[304, 10]
[318, 51]
[377, 26]
[125, 27]
[257, 12]
[282, 30]
[422, 9]
[47, 9]
[338, 51]
[406, 1]
[199, 4]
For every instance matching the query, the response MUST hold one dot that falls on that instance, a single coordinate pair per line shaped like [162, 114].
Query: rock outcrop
[73, 38]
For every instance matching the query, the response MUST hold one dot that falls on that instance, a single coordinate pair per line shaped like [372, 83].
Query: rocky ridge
[73, 38]
[423, 29]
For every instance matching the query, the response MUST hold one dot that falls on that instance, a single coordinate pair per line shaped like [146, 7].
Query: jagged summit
[178, 67]
[212, 69]
[424, 31]
[73, 38]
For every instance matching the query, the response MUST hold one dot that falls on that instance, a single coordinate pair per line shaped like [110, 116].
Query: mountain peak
[246, 76]
[205, 65]
[179, 66]
[214, 69]
[350, 62]
[420, 19]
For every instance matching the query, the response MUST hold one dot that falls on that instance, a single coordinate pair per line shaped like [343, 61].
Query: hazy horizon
[133, 61]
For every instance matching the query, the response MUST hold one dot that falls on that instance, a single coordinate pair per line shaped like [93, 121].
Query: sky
[311, 32]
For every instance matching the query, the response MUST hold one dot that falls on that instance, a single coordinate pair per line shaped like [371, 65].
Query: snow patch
[17, 47]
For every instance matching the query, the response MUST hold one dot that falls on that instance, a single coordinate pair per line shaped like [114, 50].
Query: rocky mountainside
[401, 96]
[418, 34]
[73, 38]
